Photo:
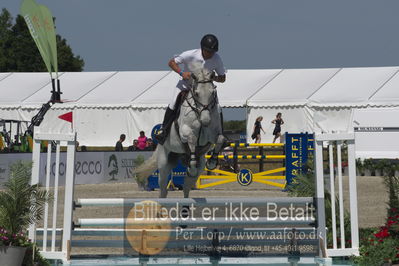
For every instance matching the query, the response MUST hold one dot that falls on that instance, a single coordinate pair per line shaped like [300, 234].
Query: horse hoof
[211, 164]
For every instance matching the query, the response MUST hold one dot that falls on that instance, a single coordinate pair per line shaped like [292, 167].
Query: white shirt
[194, 58]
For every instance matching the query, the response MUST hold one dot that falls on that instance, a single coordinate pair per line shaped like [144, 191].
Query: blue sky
[143, 35]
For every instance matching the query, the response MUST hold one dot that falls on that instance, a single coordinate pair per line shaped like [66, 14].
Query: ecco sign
[88, 167]
[81, 167]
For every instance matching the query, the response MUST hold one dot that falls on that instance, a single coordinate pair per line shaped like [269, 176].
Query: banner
[49, 29]
[90, 167]
[178, 173]
[297, 148]
[41, 27]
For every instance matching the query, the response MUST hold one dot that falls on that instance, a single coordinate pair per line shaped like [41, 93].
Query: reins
[197, 103]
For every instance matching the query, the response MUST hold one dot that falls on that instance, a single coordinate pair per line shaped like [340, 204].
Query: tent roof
[159, 94]
[375, 86]
[122, 87]
[17, 87]
[353, 86]
[74, 85]
[292, 87]
[242, 84]
[388, 94]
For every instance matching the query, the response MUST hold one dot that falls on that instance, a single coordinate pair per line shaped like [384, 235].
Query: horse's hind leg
[163, 181]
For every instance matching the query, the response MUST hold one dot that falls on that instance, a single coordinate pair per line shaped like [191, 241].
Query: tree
[5, 28]
[235, 125]
[18, 51]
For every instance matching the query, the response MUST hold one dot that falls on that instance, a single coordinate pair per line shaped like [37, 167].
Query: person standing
[206, 56]
[142, 141]
[118, 145]
[278, 121]
[257, 129]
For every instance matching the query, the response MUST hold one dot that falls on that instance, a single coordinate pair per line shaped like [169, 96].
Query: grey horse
[196, 131]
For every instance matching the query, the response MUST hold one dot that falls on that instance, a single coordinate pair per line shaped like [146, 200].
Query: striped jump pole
[194, 201]
[256, 145]
[218, 221]
[248, 156]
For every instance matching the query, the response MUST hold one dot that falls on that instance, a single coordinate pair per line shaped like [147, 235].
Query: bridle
[198, 107]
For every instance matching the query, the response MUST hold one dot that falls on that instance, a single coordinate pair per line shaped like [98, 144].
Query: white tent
[377, 132]
[106, 104]
[321, 99]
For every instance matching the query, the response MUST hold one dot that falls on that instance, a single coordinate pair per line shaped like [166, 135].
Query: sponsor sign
[178, 173]
[90, 167]
[244, 177]
[376, 129]
[119, 165]
[154, 132]
[297, 149]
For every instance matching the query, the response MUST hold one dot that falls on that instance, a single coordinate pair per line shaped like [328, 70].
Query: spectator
[118, 146]
[135, 146]
[277, 129]
[150, 146]
[142, 140]
[257, 128]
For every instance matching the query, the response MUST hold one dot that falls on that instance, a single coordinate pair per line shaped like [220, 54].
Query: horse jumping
[197, 129]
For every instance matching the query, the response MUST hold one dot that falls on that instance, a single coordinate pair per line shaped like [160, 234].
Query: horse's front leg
[191, 139]
[189, 181]
[164, 170]
[213, 161]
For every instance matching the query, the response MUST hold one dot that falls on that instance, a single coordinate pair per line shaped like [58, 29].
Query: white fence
[321, 140]
[58, 139]
[337, 140]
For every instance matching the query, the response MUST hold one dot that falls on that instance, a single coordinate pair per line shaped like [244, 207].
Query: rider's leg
[168, 119]
[167, 122]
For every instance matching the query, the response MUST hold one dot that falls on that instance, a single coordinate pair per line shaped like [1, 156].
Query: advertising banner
[118, 166]
[90, 167]
[297, 148]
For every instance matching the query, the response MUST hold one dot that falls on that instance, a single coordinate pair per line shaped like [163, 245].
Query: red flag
[66, 117]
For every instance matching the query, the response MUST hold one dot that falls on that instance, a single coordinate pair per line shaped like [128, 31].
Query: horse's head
[204, 94]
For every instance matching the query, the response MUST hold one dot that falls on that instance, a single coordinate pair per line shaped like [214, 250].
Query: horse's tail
[147, 168]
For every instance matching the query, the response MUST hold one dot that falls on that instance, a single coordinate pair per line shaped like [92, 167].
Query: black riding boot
[166, 124]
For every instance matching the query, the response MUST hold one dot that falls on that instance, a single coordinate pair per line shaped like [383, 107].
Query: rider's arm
[175, 67]
[220, 70]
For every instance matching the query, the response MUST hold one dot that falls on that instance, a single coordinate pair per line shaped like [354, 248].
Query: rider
[208, 58]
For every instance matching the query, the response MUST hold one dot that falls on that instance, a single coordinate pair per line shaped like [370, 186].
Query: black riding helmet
[210, 43]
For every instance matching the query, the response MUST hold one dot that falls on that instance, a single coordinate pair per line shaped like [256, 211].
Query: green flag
[41, 27]
[50, 32]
